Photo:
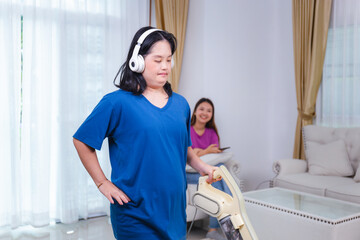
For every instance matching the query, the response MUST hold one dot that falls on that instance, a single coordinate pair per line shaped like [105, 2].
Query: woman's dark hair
[134, 82]
[211, 123]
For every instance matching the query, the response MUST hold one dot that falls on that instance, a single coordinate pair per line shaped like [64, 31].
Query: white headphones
[137, 62]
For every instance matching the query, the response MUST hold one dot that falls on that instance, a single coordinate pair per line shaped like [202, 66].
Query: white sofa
[212, 159]
[331, 168]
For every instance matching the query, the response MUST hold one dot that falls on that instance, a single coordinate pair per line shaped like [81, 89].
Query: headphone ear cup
[137, 64]
[133, 64]
[141, 64]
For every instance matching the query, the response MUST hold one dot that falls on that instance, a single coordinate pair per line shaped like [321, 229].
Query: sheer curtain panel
[70, 54]
[339, 99]
[10, 96]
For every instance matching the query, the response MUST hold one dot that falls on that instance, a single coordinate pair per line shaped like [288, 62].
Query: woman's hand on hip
[111, 192]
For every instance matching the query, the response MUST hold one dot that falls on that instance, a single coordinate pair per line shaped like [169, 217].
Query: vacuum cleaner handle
[217, 174]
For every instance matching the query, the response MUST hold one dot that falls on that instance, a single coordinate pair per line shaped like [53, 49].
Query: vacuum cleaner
[229, 210]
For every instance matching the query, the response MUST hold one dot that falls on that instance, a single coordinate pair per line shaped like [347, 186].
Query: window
[339, 97]
[58, 58]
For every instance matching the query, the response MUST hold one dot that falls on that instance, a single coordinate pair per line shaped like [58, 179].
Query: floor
[93, 229]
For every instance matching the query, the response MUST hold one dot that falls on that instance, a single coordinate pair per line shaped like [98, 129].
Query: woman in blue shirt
[148, 130]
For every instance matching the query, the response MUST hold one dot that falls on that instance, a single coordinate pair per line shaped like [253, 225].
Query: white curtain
[338, 103]
[57, 59]
[10, 97]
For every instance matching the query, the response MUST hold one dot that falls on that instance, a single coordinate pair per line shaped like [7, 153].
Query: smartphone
[224, 148]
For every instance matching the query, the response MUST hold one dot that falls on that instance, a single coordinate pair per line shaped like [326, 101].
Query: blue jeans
[193, 178]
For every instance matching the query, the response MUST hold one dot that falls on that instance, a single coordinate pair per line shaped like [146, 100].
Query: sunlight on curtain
[339, 99]
[71, 53]
[10, 97]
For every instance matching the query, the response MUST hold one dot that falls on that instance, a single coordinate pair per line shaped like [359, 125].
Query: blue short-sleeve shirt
[148, 153]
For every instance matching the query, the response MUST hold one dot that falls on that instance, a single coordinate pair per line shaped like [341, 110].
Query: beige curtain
[310, 27]
[171, 15]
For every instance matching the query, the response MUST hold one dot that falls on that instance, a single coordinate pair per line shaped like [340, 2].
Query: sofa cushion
[314, 184]
[323, 135]
[330, 159]
[349, 192]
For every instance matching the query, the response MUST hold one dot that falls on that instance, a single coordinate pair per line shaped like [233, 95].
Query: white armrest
[212, 159]
[234, 169]
[289, 166]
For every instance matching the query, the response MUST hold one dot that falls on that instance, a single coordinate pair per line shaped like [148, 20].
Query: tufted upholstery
[294, 173]
[324, 135]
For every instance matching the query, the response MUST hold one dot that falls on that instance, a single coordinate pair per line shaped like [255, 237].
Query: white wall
[239, 53]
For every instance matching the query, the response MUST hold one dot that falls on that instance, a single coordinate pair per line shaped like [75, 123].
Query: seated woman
[205, 140]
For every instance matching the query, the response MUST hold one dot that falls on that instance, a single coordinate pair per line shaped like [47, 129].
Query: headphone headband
[145, 34]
